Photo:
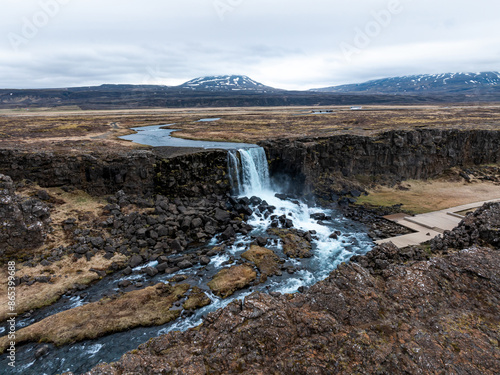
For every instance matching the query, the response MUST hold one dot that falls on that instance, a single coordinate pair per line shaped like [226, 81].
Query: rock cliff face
[96, 174]
[386, 313]
[314, 163]
[393, 155]
[194, 175]
[136, 172]
[23, 221]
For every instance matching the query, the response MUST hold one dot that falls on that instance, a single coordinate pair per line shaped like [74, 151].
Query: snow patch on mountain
[424, 83]
[225, 83]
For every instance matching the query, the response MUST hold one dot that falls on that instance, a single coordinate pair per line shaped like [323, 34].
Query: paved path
[429, 225]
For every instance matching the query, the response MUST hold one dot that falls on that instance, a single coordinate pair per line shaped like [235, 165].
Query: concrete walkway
[429, 225]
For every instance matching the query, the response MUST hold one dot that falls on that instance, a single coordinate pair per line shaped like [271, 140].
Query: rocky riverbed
[418, 311]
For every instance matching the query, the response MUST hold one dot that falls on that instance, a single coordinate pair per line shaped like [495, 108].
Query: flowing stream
[248, 170]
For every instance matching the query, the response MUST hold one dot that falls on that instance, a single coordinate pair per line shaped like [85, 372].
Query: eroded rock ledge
[317, 164]
[385, 313]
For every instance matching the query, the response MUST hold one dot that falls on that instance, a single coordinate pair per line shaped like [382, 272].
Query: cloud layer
[283, 43]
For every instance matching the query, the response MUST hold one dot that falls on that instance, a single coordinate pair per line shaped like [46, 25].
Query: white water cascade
[249, 171]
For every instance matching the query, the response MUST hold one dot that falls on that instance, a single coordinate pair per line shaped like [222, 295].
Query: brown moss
[228, 280]
[146, 307]
[266, 260]
[66, 274]
[196, 299]
[294, 245]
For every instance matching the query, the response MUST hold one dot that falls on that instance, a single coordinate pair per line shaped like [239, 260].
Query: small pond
[156, 136]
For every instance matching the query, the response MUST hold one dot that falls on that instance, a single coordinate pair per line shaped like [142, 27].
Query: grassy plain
[419, 197]
[72, 129]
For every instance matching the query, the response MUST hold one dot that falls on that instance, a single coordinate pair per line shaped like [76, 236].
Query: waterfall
[248, 171]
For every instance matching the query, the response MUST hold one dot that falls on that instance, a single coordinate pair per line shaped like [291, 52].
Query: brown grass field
[426, 196]
[71, 129]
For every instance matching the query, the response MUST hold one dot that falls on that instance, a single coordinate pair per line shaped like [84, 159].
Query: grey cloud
[287, 43]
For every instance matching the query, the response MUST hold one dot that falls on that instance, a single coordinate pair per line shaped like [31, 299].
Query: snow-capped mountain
[225, 83]
[425, 83]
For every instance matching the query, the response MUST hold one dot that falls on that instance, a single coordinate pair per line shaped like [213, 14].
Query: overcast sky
[289, 44]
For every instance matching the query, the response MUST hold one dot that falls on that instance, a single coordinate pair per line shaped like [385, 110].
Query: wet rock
[265, 259]
[151, 271]
[40, 352]
[184, 264]
[178, 278]
[261, 241]
[171, 270]
[135, 260]
[124, 283]
[294, 245]
[228, 233]
[204, 260]
[255, 201]
[162, 267]
[318, 216]
[127, 271]
[228, 280]
[216, 250]
[196, 299]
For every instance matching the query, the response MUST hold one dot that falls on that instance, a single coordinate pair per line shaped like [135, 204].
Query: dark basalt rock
[481, 227]
[24, 222]
[317, 164]
[389, 312]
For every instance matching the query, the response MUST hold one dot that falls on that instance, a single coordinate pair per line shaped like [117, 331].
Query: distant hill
[449, 83]
[226, 83]
[241, 91]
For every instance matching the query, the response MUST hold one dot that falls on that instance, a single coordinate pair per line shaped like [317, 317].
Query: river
[248, 168]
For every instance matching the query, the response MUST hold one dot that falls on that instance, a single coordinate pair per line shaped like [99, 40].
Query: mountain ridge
[422, 83]
[226, 83]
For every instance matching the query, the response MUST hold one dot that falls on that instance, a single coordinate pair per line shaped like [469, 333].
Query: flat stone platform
[429, 225]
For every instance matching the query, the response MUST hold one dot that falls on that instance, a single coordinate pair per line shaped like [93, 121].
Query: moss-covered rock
[228, 280]
[266, 260]
[146, 307]
[294, 245]
[196, 299]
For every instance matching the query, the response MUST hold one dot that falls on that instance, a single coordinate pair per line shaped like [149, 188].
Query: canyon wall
[135, 172]
[314, 164]
[390, 156]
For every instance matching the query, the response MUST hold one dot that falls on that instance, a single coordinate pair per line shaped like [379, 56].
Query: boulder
[135, 260]
[228, 280]
[265, 259]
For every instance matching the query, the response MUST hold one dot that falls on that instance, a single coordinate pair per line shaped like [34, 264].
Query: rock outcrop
[139, 172]
[480, 227]
[387, 313]
[24, 222]
[316, 163]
